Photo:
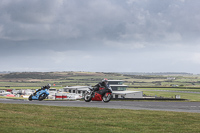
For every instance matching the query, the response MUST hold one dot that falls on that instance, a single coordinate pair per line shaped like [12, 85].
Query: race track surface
[133, 105]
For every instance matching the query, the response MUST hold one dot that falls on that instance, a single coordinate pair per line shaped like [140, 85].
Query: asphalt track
[193, 107]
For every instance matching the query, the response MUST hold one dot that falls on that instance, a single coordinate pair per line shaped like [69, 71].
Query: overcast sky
[100, 35]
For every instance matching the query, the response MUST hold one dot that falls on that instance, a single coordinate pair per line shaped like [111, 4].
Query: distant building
[76, 89]
[171, 78]
[119, 90]
[117, 85]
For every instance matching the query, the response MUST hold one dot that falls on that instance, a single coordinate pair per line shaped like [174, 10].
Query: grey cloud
[129, 28]
[46, 20]
[31, 12]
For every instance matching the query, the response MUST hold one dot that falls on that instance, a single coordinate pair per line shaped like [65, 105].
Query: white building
[117, 85]
[71, 93]
[76, 89]
[119, 90]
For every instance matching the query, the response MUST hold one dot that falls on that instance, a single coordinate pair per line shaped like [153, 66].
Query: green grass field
[166, 88]
[164, 93]
[190, 96]
[35, 80]
[147, 91]
[37, 118]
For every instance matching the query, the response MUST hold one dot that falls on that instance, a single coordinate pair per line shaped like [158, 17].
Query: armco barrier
[64, 96]
[58, 96]
[67, 96]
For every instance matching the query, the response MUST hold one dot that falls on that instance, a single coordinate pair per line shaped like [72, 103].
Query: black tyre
[107, 97]
[30, 98]
[88, 97]
[41, 97]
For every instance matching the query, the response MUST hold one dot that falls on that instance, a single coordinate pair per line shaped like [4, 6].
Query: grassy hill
[91, 78]
[149, 84]
[145, 83]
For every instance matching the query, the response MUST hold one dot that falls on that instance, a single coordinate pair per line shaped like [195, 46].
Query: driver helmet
[105, 80]
[48, 85]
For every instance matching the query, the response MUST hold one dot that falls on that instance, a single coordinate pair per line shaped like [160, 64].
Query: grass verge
[37, 118]
[193, 97]
[190, 96]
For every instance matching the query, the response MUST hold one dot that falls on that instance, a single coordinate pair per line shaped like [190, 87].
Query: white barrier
[51, 97]
[58, 96]
[71, 96]
[64, 96]
[67, 96]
